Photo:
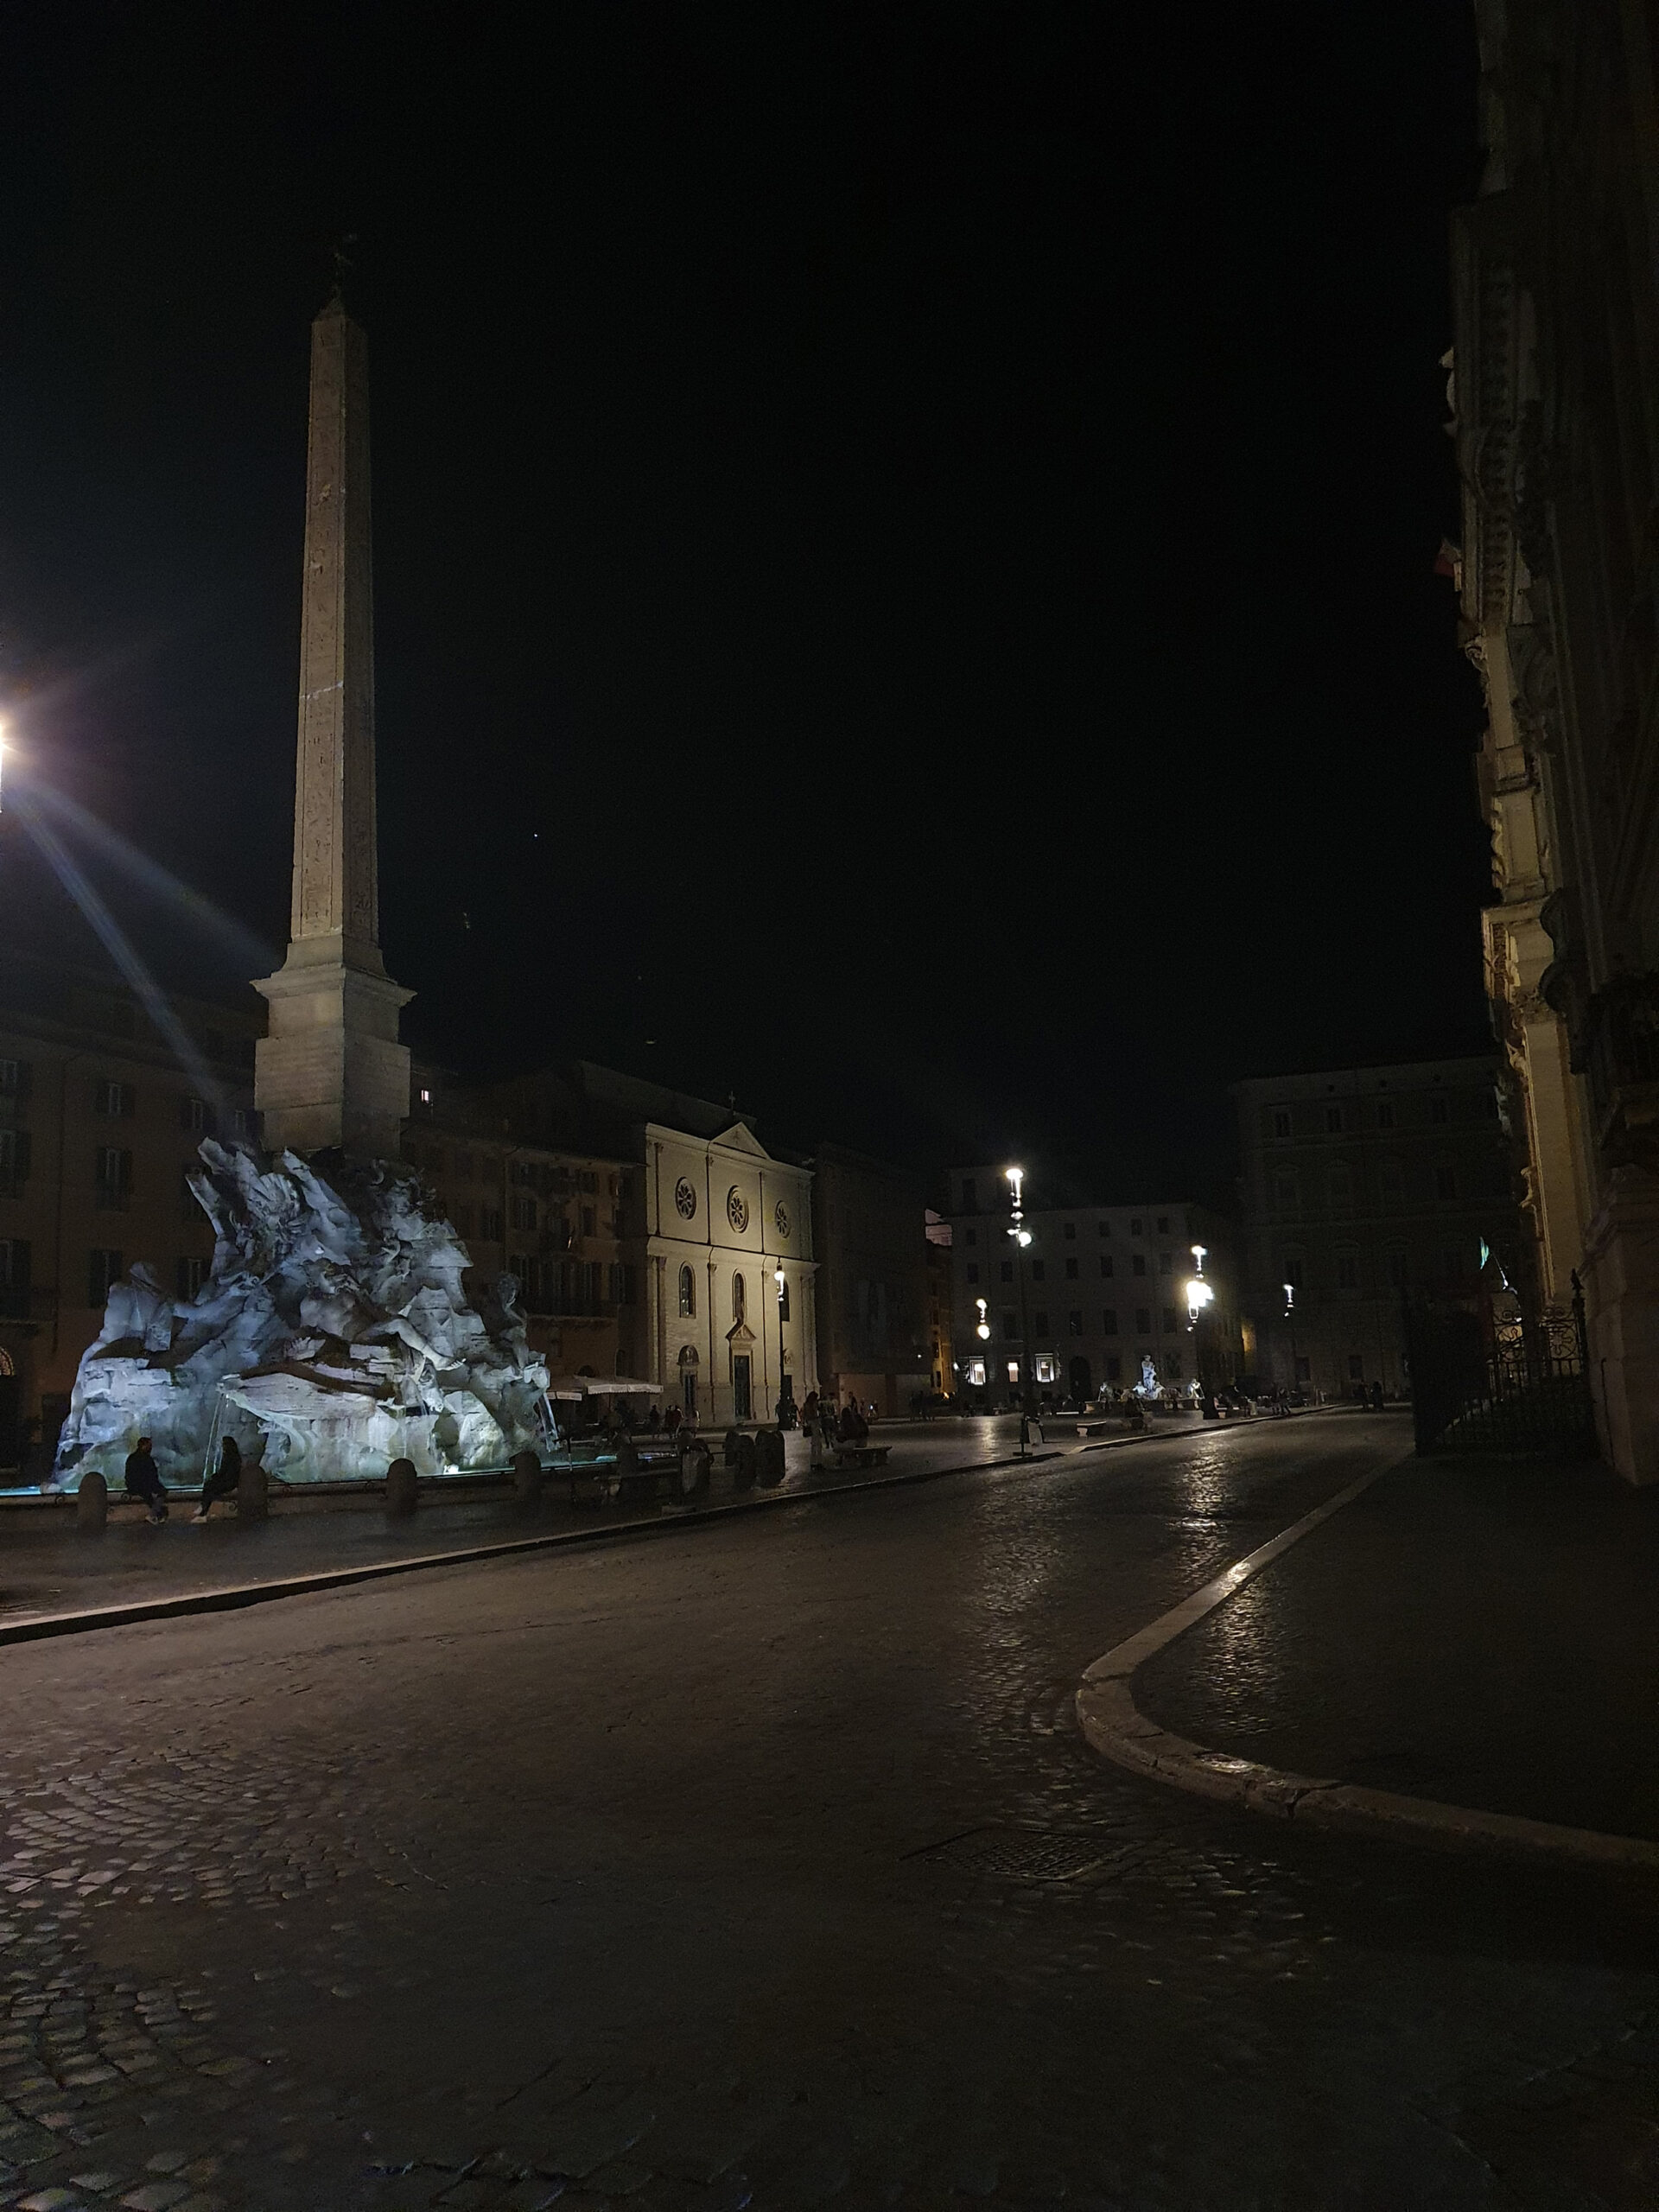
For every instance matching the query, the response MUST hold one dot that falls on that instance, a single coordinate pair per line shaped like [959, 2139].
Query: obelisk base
[332, 1071]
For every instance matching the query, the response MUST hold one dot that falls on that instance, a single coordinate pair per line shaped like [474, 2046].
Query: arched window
[783, 1299]
[688, 1292]
[740, 1299]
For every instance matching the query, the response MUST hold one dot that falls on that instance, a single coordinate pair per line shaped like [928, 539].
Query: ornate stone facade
[1555, 397]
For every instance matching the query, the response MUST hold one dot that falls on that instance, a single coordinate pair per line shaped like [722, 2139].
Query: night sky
[904, 534]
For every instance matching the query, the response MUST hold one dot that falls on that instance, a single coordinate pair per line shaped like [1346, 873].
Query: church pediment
[741, 1138]
[740, 1336]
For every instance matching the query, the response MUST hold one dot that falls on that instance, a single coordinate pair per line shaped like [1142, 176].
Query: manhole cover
[1030, 1854]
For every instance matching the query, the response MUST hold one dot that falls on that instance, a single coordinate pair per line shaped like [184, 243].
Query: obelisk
[332, 1071]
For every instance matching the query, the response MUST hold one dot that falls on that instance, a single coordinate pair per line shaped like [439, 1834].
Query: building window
[1072, 1271]
[1113, 1367]
[491, 1227]
[1048, 1368]
[1106, 1268]
[14, 1277]
[1108, 1321]
[1013, 1370]
[195, 1117]
[1171, 1320]
[112, 1178]
[973, 1270]
[1009, 1326]
[524, 1214]
[587, 1221]
[15, 1155]
[1281, 1121]
[1006, 1272]
[190, 1275]
[1138, 1264]
[688, 1293]
[622, 1283]
[1385, 1114]
[1070, 1230]
[1333, 1120]
[740, 1299]
[1074, 1322]
[969, 1197]
[1347, 1271]
[1143, 1320]
[102, 1273]
[974, 1373]
[114, 1100]
[783, 1299]
[1437, 1111]
[12, 1082]
[1172, 1367]
[1037, 1271]
[1040, 1319]
[1446, 1180]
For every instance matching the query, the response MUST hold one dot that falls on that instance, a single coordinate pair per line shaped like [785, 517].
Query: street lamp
[1021, 1235]
[1200, 1297]
[1290, 1316]
[786, 1402]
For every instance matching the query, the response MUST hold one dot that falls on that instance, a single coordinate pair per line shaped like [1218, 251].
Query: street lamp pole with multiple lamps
[1021, 1235]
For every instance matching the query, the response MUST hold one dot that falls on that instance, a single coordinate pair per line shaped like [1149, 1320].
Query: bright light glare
[1024, 1236]
[1199, 1296]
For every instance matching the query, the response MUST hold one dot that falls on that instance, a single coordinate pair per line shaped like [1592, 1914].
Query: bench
[862, 1455]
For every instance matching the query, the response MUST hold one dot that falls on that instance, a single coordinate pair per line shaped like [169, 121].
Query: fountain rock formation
[333, 1336]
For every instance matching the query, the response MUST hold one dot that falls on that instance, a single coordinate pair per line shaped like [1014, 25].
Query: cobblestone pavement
[765, 1869]
[1478, 1631]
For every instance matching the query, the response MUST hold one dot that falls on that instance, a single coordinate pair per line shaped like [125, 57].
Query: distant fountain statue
[333, 1336]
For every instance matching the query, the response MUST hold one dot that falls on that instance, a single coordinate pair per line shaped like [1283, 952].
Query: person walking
[143, 1480]
[225, 1480]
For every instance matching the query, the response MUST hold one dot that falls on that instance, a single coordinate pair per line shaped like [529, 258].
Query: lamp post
[785, 1400]
[1290, 1316]
[1021, 1235]
[1200, 1297]
[982, 1331]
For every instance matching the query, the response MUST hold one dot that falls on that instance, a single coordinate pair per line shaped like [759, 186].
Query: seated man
[143, 1480]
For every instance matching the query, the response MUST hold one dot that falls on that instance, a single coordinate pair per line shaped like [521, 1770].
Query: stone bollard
[526, 1478]
[402, 1491]
[745, 1464]
[769, 1457]
[92, 1504]
[729, 1447]
[252, 1492]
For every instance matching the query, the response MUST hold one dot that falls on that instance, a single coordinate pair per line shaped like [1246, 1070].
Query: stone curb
[1119, 1730]
[233, 1597]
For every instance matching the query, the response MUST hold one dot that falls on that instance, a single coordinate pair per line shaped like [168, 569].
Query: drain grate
[1031, 1854]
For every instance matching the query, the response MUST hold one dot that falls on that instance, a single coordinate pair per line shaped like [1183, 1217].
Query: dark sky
[904, 534]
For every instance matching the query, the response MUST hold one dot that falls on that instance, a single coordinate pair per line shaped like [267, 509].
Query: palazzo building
[1360, 1187]
[1099, 1292]
[1555, 398]
[877, 1342]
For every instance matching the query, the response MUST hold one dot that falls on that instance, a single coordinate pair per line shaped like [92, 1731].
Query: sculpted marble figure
[333, 1335]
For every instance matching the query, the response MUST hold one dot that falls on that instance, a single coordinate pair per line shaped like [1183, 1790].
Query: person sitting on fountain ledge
[145, 1481]
[225, 1479]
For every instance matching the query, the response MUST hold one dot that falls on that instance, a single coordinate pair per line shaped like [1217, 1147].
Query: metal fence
[1526, 1389]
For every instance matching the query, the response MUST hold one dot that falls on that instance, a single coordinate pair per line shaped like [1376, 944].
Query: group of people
[827, 1425]
[143, 1480]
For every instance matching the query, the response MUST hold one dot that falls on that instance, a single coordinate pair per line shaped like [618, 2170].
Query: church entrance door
[742, 1402]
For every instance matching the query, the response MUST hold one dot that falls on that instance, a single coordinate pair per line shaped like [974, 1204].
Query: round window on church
[780, 1215]
[685, 1199]
[737, 1210]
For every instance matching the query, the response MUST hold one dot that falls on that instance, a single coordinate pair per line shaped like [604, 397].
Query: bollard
[402, 1489]
[526, 1478]
[729, 1447]
[92, 1504]
[252, 1492]
[746, 1464]
[769, 1457]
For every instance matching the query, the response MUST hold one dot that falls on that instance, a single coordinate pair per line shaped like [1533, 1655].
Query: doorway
[741, 1402]
[1081, 1377]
